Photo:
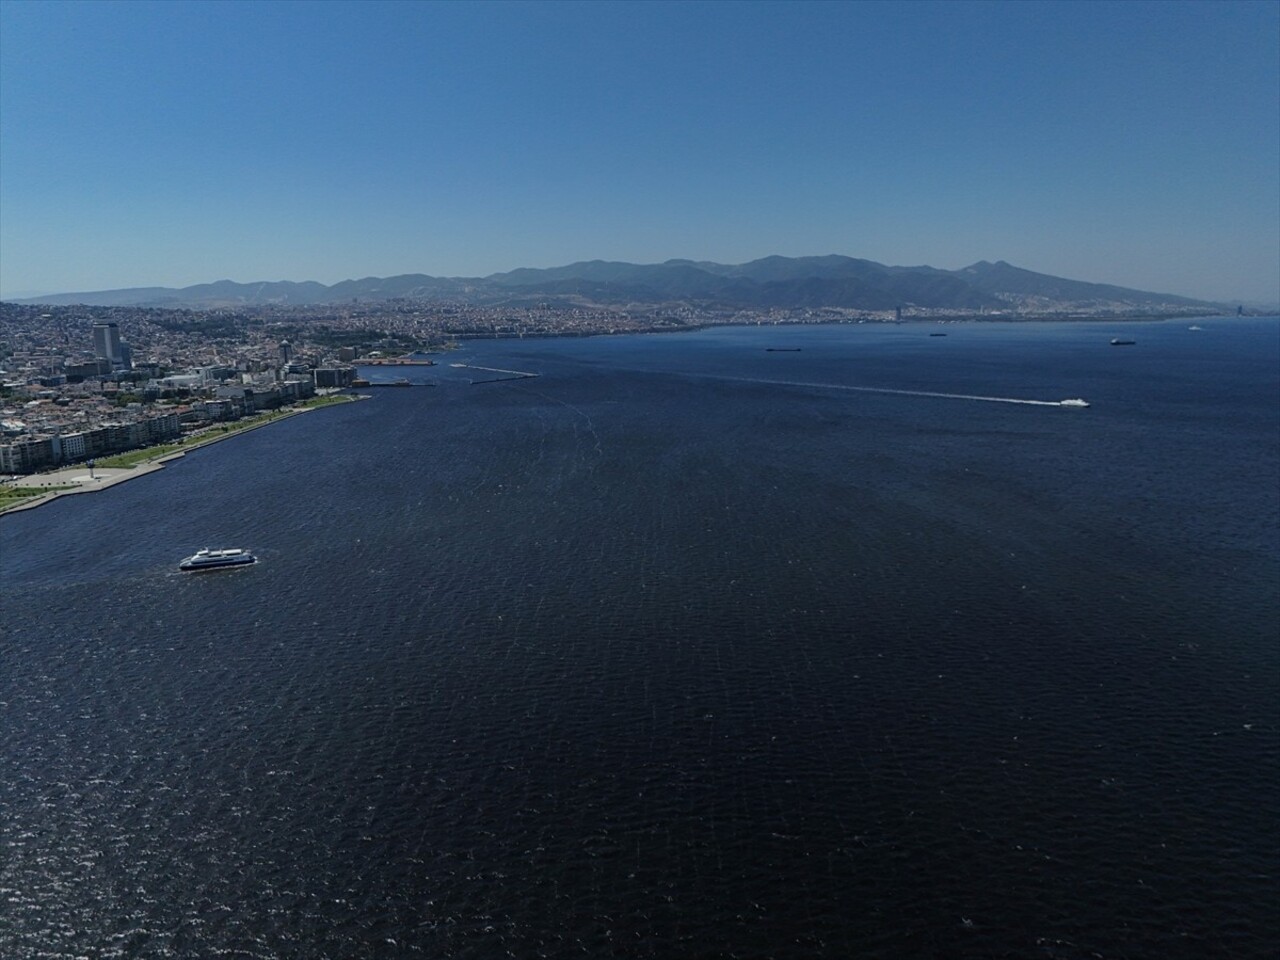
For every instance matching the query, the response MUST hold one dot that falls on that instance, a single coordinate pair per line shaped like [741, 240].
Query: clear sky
[175, 143]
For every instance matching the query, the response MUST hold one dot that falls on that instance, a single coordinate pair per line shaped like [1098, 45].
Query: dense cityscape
[82, 382]
[79, 382]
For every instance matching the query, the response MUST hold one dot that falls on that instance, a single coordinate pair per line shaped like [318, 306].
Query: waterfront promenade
[80, 478]
[77, 479]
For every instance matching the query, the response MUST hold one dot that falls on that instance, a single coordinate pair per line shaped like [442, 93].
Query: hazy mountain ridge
[770, 282]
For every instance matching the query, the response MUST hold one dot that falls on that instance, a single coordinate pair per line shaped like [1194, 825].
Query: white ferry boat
[214, 559]
[1073, 402]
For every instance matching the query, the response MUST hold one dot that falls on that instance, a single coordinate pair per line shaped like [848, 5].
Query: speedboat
[216, 559]
[1073, 402]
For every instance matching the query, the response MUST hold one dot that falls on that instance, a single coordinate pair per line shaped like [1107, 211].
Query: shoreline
[78, 478]
[72, 481]
[461, 338]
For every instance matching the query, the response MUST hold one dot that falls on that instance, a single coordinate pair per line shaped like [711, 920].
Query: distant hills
[771, 282]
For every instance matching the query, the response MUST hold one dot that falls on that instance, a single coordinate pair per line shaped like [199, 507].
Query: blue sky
[175, 143]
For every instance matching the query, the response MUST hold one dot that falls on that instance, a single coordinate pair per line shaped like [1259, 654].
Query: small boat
[1073, 402]
[1116, 342]
[937, 334]
[216, 559]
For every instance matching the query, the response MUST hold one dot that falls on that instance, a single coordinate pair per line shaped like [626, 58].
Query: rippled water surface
[679, 650]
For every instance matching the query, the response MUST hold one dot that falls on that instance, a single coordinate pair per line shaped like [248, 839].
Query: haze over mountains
[771, 282]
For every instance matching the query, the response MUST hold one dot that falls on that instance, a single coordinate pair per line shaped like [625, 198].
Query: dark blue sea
[682, 649]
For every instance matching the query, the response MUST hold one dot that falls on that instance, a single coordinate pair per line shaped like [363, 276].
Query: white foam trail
[472, 366]
[903, 393]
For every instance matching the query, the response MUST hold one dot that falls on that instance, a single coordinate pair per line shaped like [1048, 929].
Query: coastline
[74, 479]
[78, 478]
[461, 338]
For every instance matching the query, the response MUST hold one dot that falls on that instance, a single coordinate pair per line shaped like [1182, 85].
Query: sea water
[685, 648]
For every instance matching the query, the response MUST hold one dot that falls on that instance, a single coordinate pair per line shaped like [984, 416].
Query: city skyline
[174, 144]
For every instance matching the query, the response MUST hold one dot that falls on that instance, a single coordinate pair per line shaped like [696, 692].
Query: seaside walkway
[78, 478]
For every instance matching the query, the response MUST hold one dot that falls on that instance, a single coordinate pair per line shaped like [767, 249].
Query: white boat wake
[1074, 402]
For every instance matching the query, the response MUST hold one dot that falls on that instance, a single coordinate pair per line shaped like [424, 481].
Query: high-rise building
[286, 352]
[106, 341]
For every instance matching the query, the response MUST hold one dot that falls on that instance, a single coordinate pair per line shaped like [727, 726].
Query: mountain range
[771, 282]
